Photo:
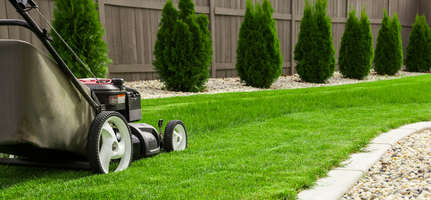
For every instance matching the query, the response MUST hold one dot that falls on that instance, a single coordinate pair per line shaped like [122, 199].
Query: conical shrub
[389, 50]
[314, 52]
[366, 46]
[183, 49]
[418, 56]
[356, 52]
[78, 23]
[259, 59]
[304, 48]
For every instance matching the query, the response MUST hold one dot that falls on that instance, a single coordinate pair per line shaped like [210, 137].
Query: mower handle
[23, 3]
[14, 22]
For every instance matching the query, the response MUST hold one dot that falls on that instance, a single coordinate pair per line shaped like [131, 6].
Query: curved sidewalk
[340, 180]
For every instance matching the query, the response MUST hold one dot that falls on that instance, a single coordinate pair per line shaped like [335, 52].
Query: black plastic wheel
[175, 137]
[109, 143]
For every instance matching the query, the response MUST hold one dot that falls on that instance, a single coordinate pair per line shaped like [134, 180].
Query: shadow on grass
[11, 176]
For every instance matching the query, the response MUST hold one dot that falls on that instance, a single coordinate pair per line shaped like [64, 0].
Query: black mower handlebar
[23, 3]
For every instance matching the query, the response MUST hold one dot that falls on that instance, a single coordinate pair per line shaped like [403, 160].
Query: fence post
[102, 17]
[389, 7]
[213, 37]
[101, 7]
[292, 36]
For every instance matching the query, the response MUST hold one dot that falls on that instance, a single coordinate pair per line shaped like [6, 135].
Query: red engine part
[96, 81]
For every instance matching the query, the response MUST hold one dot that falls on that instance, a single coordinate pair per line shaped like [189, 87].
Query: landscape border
[340, 180]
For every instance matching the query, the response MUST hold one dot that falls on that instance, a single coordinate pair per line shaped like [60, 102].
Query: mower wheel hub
[112, 146]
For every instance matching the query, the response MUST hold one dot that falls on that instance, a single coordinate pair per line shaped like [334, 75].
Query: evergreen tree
[78, 23]
[389, 50]
[418, 58]
[259, 59]
[398, 39]
[384, 46]
[315, 53]
[183, 48]
[246, 48]
[187, 8]
[304, 48]
[356, 50]
[204, 51]
[366, 45]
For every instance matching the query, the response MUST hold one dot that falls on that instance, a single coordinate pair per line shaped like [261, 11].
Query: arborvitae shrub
[314, 52]
[367, 41]
[384, 46]
[304, 47]
[183, 49]
[356, 52]
[398, 38]
[418, 58]
[259, 59]
[78, 22]
[389, 49]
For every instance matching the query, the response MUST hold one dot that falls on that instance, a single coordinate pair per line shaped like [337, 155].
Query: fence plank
[292, 36]
[213, 37]
[4, 31]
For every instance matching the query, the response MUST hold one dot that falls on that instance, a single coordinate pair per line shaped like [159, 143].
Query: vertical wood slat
[11, 13]
[213, 37]
[102, 15]
[4, 32]
[389, 8]
[292, 36]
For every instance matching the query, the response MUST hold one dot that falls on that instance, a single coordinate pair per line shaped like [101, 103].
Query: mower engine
[114, 96]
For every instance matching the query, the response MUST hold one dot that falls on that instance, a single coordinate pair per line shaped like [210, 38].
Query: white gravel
[403, 173]
[155, 88]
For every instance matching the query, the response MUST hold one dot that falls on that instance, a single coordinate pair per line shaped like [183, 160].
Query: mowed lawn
[259, 145]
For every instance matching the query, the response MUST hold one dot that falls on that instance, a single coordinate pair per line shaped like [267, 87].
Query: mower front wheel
[109, 143]
[175, 138]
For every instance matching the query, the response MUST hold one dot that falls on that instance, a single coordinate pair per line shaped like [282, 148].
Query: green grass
[259, 145]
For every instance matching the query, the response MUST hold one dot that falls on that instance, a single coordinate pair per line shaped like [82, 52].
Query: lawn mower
[52, 119]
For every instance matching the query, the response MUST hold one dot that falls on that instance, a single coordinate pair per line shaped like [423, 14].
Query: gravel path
[403, 173]
[155, 89]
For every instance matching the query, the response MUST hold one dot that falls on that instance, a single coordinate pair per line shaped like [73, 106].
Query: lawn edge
[340, 180]
[253, 90]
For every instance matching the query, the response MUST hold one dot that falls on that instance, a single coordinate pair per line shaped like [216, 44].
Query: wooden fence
[425, 9]
[131, 28]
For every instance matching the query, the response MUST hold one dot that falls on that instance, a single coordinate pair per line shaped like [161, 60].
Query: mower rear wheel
[175, 138]
[109, 143]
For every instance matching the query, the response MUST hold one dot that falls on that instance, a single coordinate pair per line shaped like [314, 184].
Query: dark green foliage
[204, 49]
[303, 55]
[384, 46]
[389, 49]
[183, 48]
[187, 8]
[418, 58]
[356, 52]
[367, 40]
[78, 22]
[314, 52]
[259, 59]
[398, 38]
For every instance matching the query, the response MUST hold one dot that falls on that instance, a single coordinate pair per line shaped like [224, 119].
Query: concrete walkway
[340, 180]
